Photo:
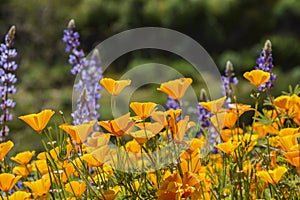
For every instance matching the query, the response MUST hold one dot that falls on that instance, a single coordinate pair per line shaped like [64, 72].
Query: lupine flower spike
[228, 80]
[90, 73]
[265, 63]
[7, 80]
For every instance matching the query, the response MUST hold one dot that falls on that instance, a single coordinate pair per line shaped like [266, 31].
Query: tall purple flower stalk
[206, 126]
[228, 80]
[7, 80]
[203, 114]
[89, 73]
[265, 62]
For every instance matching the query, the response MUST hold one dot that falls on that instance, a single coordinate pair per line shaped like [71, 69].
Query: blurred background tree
[228, 29]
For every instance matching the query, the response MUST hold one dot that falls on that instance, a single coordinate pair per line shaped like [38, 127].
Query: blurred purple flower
[228, 80]
[172, 104]
[7, 80]
[265, 63]
[89, 71]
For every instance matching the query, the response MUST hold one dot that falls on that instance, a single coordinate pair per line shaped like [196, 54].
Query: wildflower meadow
[154, 151]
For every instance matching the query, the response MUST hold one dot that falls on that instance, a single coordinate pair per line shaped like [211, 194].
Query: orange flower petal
[257, 77]
[176, 88]
[38, 121]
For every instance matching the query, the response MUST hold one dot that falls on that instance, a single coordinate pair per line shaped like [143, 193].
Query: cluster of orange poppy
[254, 161]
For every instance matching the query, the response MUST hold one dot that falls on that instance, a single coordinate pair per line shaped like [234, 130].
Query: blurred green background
[228, 29]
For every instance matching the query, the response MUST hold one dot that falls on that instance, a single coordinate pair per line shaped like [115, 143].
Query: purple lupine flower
[89, 72]
[76, 57]
[265, 63]
[228, 80]
[172, 104]
[7, 80]
[206, 126]
[89, 85]
[203, 114]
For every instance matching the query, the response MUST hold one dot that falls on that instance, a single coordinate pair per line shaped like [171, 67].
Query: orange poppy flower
[133, 146]
[91, 160]
[102, 154]
[293, 157]
[119, 126]
[214, 106]
[41, 166]
[38, 121]
[22, 170]
[79, 132]
[161, 117]
[142, 136]
[287, 142]
[272, 176]
[5, 147]
[20, 195]
[110, 194]
[228, 147]
[24, 157]
[114, 87]
[257, 77]
[178, 129]
[239, 108]
[97, 140]
[76, 188]
[224, 119]
[143, 109]
[39, 187]
[248, 141]
[176, 88]
[226, 134]
[8, 181]
[288, 131]
[153, 127]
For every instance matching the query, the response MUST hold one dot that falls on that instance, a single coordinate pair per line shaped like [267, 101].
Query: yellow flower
[22, 170]
[257, 77]
[39, 187]
[41, 166]
[110, 194]
[133, 146]
[162, 117]
[176, 88]
[155, 127]
[173, 187]
[142, 136]
[114, 87]
[91, 160]
[119, 126]
[8, 181]
[38, 121]
[214, 106]
[248, 141]
[79, 132]
[143, 109]
[76, 188]
[178, 129]
[20, 195]
[288, 131]
[287, 142]
[272, 176]
[282, 102]
[293, 157]
[5, 147]
[228, 147]
[24, 157]
[226, 134]
[53, 153]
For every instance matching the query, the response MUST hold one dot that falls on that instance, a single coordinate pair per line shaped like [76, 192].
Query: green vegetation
[228, 29]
